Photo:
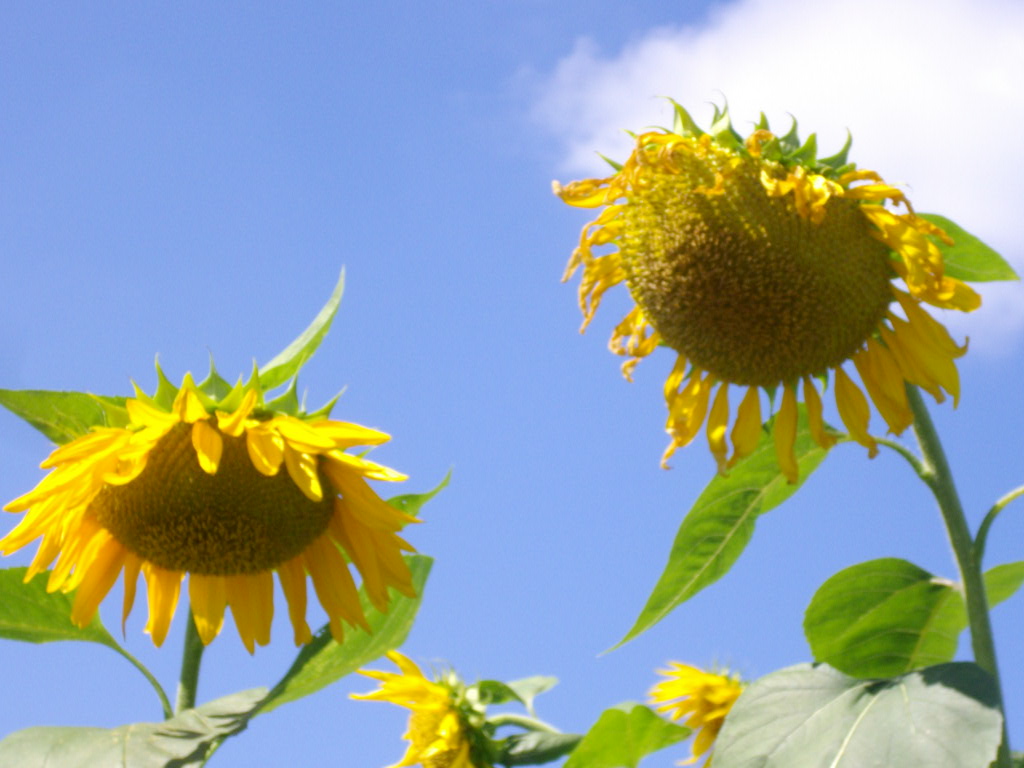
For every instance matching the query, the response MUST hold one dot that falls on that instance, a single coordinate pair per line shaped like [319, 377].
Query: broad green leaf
[969, 258]
[716, 530]
[883, 618]
[182, 741]
[886, 617]
[63, 416]
[286, 364]
[622, 736]
[809, 716]
[30, 614]
[536, 747]
[323, 661]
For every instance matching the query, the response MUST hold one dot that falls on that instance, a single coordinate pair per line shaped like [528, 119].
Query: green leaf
[410, 503]
[63, 416]
[969, 258]
[622, 736]
[886, 617]
[30, 614]
[490, 692]
[808, 716]
[716, 530]
[184, 740]
[529, 688]
[883, 618]
[285, 365]
[323, 661]
[536, 747]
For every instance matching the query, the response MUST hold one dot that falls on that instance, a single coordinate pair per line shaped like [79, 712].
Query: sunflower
[767, 268]
[196, 487]
[704, 698]
[438, 735]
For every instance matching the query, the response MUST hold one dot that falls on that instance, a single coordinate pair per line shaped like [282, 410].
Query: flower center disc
[745, 287]
[236, 521]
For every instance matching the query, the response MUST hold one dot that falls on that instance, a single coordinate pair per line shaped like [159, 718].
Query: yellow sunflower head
[766, 267]
[703, 698]
[213, 482]
[439, 733]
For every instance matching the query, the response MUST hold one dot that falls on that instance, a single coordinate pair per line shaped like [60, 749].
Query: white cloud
[930, 89]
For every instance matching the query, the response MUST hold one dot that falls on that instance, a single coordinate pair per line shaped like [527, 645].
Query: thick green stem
[188, 680]
[937, 475]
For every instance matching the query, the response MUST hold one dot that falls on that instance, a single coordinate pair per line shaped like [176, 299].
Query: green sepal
[683, 124]
[762, 123]
[616, 166]
[233, 399]
[838, 161]
[410, 503]
[287, 402]
[791, 140]
[723, 132]
[208, 402]
[529, 688]
[165, 393]
[968, 258]
[807, 154]
[324, 411]
[215, 385]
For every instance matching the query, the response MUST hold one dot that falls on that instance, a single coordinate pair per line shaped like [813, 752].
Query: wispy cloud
[930, 90]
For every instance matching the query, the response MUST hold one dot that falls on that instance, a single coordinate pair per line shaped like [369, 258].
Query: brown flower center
[745, 287]
[236, 521]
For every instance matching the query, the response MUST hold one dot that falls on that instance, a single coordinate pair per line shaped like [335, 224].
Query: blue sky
[185, 181]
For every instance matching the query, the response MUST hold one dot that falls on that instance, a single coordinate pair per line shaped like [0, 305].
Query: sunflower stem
[937, 475]
[528, 723]
[165, 703]
[188, 680]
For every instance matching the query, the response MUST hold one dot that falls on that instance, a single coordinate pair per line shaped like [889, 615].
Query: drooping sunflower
[767, 268]
[227, 492]
[703, 698]
[438, 734]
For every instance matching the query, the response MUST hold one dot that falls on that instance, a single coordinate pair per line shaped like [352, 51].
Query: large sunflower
[765, 267]
[197, 487]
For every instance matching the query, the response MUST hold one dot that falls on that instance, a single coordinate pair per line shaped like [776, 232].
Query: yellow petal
[292, 576]
[132, 565]
[208, 598]
[162, 587]
[854, 411]
[814, 416]
[99, 577]
[302, 467]
[746, 432]
[718, 424]
[266, 450]
[233, 424]
[208, 446]
[784, 434]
